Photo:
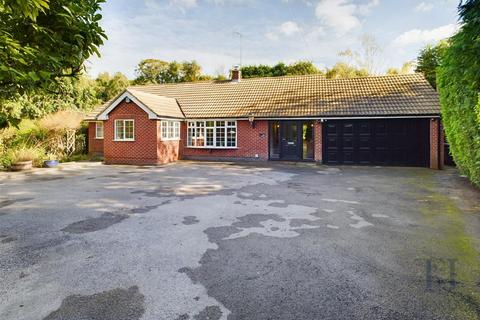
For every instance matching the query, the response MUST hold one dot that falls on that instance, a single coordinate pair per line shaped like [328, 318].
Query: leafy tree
[159, 71]
[405, 69]
[458, 81]
[191, 71]
[429, 60]
[342, 70]
[108, 87]
[301, 68]
[256, 71]
[150, 71]
[43, 40]
[72, 93]
[280, 69]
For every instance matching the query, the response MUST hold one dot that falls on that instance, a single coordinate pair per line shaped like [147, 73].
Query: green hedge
[458, 81]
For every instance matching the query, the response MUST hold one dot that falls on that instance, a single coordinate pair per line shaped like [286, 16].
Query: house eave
[126, 94]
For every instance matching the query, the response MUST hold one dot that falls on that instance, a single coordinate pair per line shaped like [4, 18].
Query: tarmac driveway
[239, 241]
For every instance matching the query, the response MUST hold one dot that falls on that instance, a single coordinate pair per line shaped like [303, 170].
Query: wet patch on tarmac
[28, 255]
[116, 304]
[6, 203]
[189, 220]
[95, 224]
[255, 220]
[278, 204]
[8, 239]
[148, 208]
[209, 313]
[296, 223]
[184, 193]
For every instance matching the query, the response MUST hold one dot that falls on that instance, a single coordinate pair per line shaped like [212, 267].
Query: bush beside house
[41, 140]
[458, 81]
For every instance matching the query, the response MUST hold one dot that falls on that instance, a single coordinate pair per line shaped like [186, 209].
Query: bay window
[212, 134]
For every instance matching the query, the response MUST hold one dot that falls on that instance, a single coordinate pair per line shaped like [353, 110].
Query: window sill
[172, 139]
[215, 148]
[117, 140]
[97, 138]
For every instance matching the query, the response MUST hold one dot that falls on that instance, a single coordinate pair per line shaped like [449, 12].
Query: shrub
[61, 120]
[459, 86]
[6, 159]
[34, 154]
[24, 154]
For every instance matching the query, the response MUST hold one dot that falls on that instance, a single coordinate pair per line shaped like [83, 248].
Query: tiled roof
[302, 96]
[162, 106]
[92, 115]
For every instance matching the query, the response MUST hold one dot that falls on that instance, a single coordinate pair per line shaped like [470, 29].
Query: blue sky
[272, 31]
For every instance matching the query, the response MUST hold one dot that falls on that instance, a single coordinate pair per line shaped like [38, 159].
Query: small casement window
[212, 134]
[124, 130]
[99, 130]
[170, 130]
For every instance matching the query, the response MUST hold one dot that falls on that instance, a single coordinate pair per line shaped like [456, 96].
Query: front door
[290, 140]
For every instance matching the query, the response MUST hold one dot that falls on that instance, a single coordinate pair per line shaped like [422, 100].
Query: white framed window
[124, 130]
[221, 134]
[99, 130]
[170, 130]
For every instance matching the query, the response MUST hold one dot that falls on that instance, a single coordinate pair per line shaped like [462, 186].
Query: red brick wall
[95, 146]
[141, 151]
[318, 141]
[436, 144]
[168, 150]
[250, 142]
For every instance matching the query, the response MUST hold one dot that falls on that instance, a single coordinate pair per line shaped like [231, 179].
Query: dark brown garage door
[393, 142]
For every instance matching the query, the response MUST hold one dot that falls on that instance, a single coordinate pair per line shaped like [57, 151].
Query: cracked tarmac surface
[197, 240]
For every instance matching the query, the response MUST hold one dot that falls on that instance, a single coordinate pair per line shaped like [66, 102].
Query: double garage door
[386, 142]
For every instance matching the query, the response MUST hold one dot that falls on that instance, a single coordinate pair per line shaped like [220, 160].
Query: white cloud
[425, 36]
[185, 4]
[424, 7]
[288, 28]
[365, 9]
[342, 15]
[231, 2]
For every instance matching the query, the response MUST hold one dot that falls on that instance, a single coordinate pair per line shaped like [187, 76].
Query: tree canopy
[107, 87]
[43, 40]
[458, 81]
[280, 69]
[429, 60]
[81, 93]
[159, 71]
[405, 69]
[343, 70]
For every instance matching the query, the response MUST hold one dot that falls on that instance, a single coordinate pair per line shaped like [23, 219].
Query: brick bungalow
[384, 120]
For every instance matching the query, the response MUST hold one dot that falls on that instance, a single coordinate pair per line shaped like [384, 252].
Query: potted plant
[22, 159]
[51, 162]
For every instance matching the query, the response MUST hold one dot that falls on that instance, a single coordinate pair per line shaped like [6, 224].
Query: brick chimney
[236, 74]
